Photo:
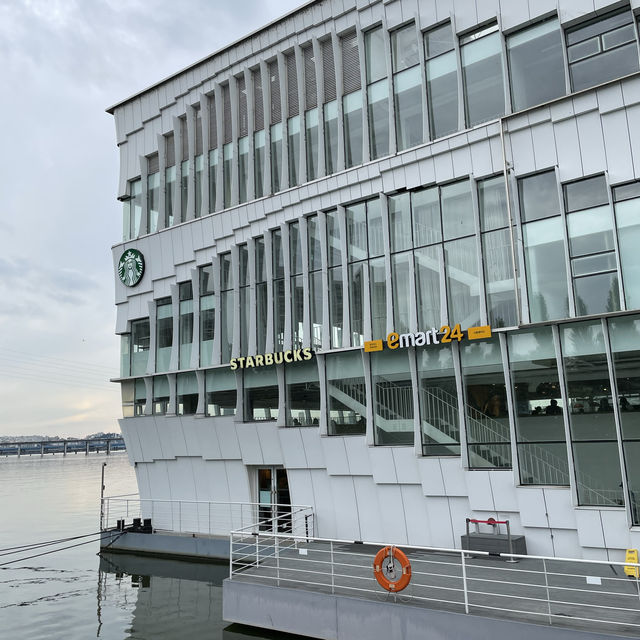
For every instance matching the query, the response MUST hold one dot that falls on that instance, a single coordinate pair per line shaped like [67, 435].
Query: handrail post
[231, 556]
[546, 586]
[257, 551]
[464, 583]
[277, 561]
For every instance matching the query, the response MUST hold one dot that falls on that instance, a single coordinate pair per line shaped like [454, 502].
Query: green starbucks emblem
[131, 267]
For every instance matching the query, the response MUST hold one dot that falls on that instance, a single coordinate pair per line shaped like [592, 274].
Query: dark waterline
[77, 594]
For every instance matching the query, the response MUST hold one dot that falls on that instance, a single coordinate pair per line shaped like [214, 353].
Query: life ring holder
[390, 554]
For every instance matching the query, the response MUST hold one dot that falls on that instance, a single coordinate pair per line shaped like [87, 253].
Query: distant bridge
[64, 447]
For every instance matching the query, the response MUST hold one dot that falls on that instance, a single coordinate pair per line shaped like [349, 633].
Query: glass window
[593, 432]
[207, 315]
[276, 157]
[295, 248]
[185, 329]
[199, 166]
[160, 395]
[376, 61]
[407, 94]
[499, 278]
[184, 190]
[439, 415]
[442, 81]
[393, 397]
[125, 355]
[164, 333]
[346, 393]
[356, 302]
[243, 168]
[625, 345]
[492, 201]
[425, 204]
[540, 434]
[352, 110]
[331, 136]
[140, 336]
[482, 76]
[356, 217]
[486, 411]
[278, 256]
[544, 255]
[170, 181]
[187, 393]
[258, 162]
[401, 288]
[457, 210]
[227, 173]
[311, 123]
[262, 311]
[585, 194]
[463, 281]
[428, 285]
[602, 49]
[333, 239]
[278, 312]
[335, 306]
[140, 398]
[374, 227]
[628, 222]
[313, 242]
[297, 311]
[378, 295]
[293, 129]
[220, 388]
[538, 196]
[127, 392]
[153, 201]
[213, 174]
[315, 308]
[400, 221]
[135, 207]
[404, 48]
[261, 394]
[536, 64]
[378, 112]
[303, 394]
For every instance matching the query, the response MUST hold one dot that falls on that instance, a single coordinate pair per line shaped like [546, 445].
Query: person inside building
[553, 409]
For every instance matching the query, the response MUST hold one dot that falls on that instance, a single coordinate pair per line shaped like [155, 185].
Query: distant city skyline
[64, 63]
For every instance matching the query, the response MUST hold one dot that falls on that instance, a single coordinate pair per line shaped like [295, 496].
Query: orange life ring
[385, 572]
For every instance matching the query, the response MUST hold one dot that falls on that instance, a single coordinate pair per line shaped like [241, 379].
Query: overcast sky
[62, 63]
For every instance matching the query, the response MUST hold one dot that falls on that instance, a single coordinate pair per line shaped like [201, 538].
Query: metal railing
[581, 594]
[208, 518]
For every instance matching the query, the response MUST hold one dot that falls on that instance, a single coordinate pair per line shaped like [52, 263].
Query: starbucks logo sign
[131, 267]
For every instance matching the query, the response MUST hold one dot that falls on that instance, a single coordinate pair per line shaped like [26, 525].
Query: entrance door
[274, 502]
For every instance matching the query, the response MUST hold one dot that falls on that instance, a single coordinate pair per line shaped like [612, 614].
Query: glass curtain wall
[536, 64]
[213, 173]
[442, 81]
[226, 307]
[377, 92]
[134, 207]
[544, 252]
[261, 394]
[334, 251]
[164, 333]
[185, 324]
[625, 346]
[315, 280]
[627, 214]
[297, 285]
[539, 408]
[278, 289]
[497, 253]
[220, 391]
[227, 174]
[261, 310]
[482, 78]
[140, 337]
[160, 395]
[140, 398]
[407, 86]
[243, 168]
[592, 247]
[439, 413]
[207, 315]
[302, 394]
[153, 200]
[346, 393]
[487, 418]
[392, 397]
[243, 283]
[187, 393]
[184, 190]
[591, 418]
[311, 112]
[170, 179]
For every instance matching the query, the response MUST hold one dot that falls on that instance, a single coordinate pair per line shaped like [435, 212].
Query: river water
[75, 593]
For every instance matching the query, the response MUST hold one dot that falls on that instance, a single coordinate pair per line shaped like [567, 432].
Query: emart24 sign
[444, 335]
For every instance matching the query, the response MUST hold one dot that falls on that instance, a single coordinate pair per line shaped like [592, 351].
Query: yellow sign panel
[373, 345]
[632, 556]
[478, 333]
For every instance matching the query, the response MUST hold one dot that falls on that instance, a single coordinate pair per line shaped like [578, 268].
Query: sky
[62, 63]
